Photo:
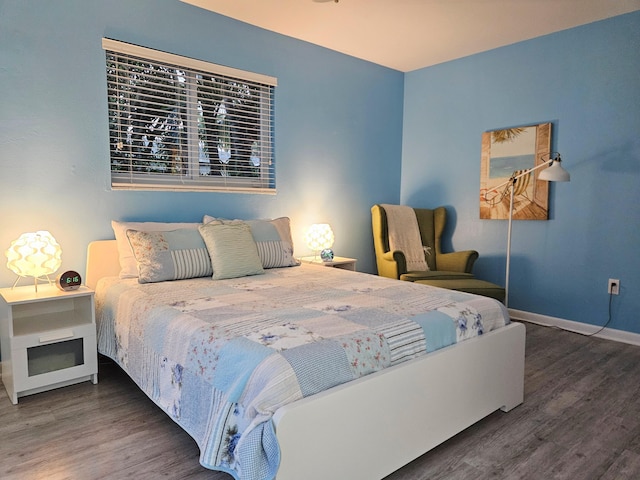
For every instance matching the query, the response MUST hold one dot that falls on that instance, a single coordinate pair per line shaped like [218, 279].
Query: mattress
[220, 357]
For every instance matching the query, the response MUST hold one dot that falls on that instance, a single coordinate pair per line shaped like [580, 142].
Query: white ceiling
[409, 34]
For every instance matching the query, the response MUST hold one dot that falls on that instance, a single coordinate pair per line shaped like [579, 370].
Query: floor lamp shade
[555, 172]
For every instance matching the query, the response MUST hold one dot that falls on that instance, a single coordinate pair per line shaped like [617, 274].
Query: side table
[48, 339]
[344, 263]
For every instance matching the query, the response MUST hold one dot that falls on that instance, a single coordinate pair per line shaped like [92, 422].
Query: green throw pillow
[273, 239]
[232, 250]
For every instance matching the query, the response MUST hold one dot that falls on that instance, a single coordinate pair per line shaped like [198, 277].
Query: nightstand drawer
[53, 336]
[39, 363]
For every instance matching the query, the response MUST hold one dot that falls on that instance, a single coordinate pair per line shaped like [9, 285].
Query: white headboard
[102, 261]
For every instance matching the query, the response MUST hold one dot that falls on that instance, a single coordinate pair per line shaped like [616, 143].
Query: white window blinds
[176, 123]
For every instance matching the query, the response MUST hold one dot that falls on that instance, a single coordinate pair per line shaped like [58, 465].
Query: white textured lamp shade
[319, 236]
[35, 255]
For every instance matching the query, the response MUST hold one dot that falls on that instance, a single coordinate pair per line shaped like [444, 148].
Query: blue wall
[338, 125]
[346, 130]
[586, 82]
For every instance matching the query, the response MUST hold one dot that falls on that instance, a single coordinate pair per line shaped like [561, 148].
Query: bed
[365, 428]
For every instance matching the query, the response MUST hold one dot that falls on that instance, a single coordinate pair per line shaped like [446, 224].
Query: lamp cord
[597, 331]
[606, 324]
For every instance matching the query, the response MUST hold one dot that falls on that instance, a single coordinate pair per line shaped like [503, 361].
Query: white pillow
[128, 265]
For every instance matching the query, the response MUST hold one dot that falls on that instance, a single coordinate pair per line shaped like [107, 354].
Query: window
[176, 123]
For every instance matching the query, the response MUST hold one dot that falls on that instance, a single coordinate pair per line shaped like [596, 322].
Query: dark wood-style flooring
[580, 420]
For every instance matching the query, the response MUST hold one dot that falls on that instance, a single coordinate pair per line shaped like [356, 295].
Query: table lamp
[34, 255]
[319, 238]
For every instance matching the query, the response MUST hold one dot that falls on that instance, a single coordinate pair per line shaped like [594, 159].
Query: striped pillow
[172, 255]
[273, 239]
[232, 250]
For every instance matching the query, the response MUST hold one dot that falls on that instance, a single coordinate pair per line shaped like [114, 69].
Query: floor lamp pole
[555, 173]
[506, 278]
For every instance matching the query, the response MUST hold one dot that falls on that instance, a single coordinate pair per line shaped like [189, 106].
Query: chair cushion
[471, 285]
[415, 276]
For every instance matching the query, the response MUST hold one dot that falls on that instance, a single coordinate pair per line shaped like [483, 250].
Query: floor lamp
[555, 173]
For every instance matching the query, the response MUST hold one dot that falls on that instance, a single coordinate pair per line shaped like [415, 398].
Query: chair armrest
[401, 262]
[457, 261]
[391, 264]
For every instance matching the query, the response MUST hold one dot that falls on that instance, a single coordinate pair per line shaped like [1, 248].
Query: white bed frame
[368, 428]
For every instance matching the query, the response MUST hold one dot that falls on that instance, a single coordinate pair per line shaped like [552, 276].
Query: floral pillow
[128, 266]
[173, 255]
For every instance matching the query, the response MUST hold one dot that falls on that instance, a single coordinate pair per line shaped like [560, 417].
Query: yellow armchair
[447, 270]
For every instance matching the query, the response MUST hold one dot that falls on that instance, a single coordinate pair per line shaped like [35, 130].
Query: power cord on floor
[605, 325]
[588, 334]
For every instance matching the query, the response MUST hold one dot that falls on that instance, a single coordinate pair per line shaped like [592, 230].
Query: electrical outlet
[614, 286]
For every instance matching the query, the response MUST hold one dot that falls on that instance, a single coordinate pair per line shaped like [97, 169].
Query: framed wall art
[505, 152]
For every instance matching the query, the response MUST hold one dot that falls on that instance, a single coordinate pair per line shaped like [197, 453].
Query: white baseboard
[584, 328]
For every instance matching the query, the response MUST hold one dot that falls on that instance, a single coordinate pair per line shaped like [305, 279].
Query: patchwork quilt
[221, 356]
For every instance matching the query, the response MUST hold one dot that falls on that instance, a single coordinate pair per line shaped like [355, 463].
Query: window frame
[187, 176]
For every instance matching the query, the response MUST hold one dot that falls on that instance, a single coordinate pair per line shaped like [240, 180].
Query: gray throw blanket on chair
[404, 235]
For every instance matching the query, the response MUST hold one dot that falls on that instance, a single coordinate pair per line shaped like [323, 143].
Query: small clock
[68, 281]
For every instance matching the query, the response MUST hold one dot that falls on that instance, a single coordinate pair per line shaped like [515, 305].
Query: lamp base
[35, 282]
[326, 255]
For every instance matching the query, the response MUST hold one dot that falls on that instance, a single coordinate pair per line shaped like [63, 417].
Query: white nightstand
[48, 339]
[337, 262]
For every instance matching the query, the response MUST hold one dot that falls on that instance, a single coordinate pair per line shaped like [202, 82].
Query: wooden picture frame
[504, 152]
